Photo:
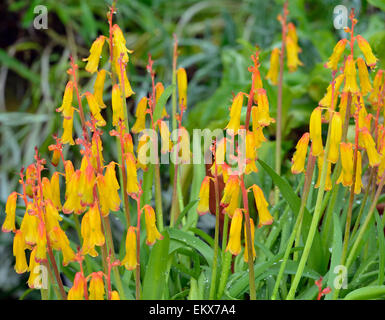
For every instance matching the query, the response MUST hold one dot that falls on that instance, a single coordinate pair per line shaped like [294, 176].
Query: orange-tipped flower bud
[299, 157]
[78, 288]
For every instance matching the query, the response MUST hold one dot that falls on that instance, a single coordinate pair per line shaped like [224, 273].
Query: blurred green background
[216, 39]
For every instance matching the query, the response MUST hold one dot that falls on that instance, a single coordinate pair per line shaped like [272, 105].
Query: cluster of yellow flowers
[91, 191]
[233, 175]
[351, 96]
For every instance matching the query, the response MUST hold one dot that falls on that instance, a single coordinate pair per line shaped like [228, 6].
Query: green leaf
[193, 242]
[185, 210]
[162, 102]
[378, 3]
[15, 65]
[381, 245]
[316, 257]
[367, 293]
[154, 279]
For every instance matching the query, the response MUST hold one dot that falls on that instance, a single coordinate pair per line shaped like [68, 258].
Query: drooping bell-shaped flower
[299, 157]
[251, 153]
[166, 144]
[41, 243]
[358, 184]
[346, 176]
[95, 53]
[132, 187]
[365, 48]
[66, 107]
[263, 108]
[129, 261]
[159, 89]
[315, 131]
[152, 231]
[34, 269]
[265, 217]
[115, 295]
[335, 138]
[292, 50]
[96, 288]
[95, 109]
[117, 105]
[140, 123]
[350, 76]
[77, 290]
[10, 211]
[64, 245]
[378, 84]
[252, 231]
[370, 146]
[21, 265]
[326, 101]
[336, 55]
[29, 226]
[363, 75]
[203, 205]
[235, 114]
[181, 77]
[234, 244]
[67, 129]
[272, 74]
[99, 88]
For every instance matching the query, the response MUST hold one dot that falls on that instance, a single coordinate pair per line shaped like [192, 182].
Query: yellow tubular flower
[292, 55]
[336, 55]
[234, 244]
[95, 53]
[41, 243]
[292, 34]
[350, 76]
[364, 46]
[97, 152]
[55, 158]
[73, 202]
[235, 114]
[152, 232]
[263, 108]
[85, 229]
[142, 152]
[78, 287]
[257, 79]
[21, 265]
[251, 153]
[99, 87]
[128, 146]
[378, 83]
[231, 185]
[335, 138]
[346, 176]
[55, 187]
[358, 184]
[108, 196]
[159, 89]
[86, 184]
[96, 235]
[252, 231]
[140, 123]
[10, 211]
[117, 105]
[95, 109]
[203, 205]
[30, 175]
[182, 86]
[257, 128]
[69, 170]
[299, 157]
[370, 146]
[115, 295]
[234, 201]
[315, 131]
[66, 107]
[343, 105]
[96, 288]
[328, 181]
[67, 129]
[132, 180]
[129, 261]
[64, 245]
[165, 137]
[34, 271]
[265, 217]
[363, 75]
[29, 226]
[326, 101]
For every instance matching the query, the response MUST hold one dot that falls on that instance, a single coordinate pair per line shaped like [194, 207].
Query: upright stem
[216, 237]
[314, 222]
[298, 223]
[278, 142]
[250, 245]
